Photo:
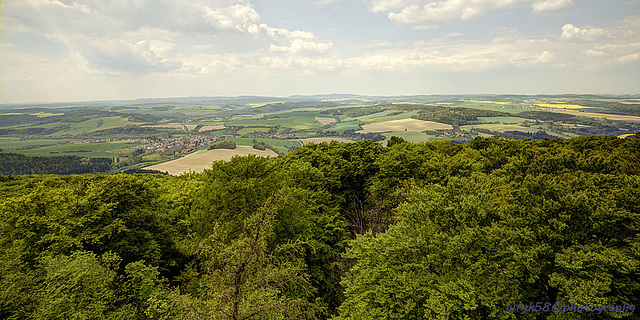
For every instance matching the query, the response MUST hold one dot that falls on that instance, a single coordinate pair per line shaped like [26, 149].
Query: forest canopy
[431, 230]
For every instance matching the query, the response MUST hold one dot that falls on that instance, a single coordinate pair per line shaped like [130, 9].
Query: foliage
[433, 230]
[223, 145]
[470, 248]
[11, 163]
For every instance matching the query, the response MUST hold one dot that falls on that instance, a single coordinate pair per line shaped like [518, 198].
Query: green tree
[243, 279]
[476, 245]
[78, 286]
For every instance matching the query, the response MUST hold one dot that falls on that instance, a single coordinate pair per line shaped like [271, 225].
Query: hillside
[143, 133]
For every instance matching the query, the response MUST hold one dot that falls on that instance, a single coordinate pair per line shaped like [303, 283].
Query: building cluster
[174, 144]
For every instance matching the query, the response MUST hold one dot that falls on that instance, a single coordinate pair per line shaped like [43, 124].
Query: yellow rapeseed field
[561, 106]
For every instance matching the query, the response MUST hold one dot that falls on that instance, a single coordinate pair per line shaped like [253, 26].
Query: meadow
[497, 127]
[503, 119]
[325, 121]
[89, 150]
[293, 120]
[253, 130]
[344, 126]
[16, 143]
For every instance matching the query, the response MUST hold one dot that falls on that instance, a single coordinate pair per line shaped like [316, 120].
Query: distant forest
[432, 230]
[12, 163]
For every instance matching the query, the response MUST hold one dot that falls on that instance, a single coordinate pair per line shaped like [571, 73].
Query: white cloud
[304, 47]
[139, 36]
[630, 58]
[593, 53]
[115, 55]
[571, 32]
[550, 5]
[431, 12]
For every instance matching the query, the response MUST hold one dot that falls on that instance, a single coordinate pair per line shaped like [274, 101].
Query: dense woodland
[12, 163]
[431, 230]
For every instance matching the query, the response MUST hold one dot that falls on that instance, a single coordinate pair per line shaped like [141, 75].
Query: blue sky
[64, 50]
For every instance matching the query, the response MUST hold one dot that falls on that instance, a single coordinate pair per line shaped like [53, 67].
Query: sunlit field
[202, 159]
[561, 106]
[404, 124]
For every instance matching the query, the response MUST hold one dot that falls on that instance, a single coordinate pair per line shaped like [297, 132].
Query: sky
[65, 50]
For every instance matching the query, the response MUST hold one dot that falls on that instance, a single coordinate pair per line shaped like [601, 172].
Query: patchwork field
[212, 127]
[254, 129]
[381, 116]
[493, 102]
[500, 127]
[14, 143]
[325, 121]
[293, 120]
[201, 160]
[167, 126]
[503, 119]
[561, 106]
[404, 124]
[617, 117]
[90, 125]
[344, 126]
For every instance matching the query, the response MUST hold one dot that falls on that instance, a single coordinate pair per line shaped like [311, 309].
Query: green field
[502, 127]
[254, 129]
[280, 145]
[344, 126]
[294, 120]
[90, 150]
[15, 143]
[404, 115]
[411, 136]
[503, 119]
[381, 116]
[490, 106]
[98, 123]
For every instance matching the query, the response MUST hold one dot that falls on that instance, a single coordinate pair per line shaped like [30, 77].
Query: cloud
[304, 47]
[115, 55]
[141, 36]
[550, 5]
[431, 12]
[630, 58]
[593, 53]
[571, 32]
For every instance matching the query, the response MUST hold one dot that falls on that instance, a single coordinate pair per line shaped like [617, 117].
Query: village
[177, 145]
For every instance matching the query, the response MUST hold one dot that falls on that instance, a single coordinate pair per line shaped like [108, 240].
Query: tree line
[431, 230]
[17, 164]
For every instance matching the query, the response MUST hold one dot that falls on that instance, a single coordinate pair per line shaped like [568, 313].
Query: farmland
[500, 127]
[561, 106]
[137, 134]
[325, 121]
[201, 160]
[404, 124]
